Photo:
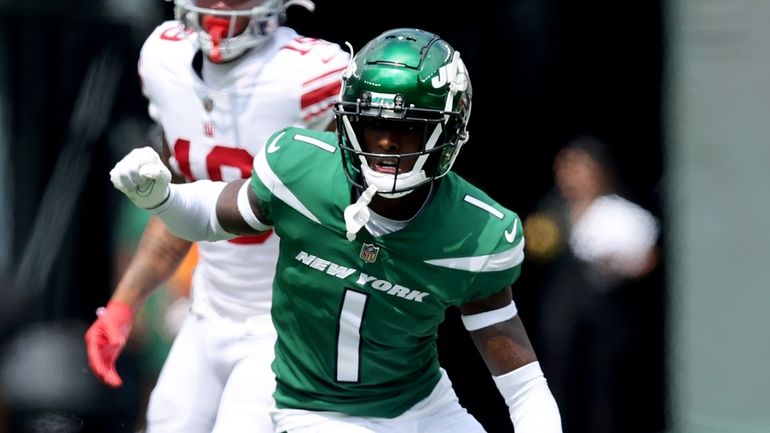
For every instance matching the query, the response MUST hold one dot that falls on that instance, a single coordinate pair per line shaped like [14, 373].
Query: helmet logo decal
[439, 80]
[454, 73]
[385, 100]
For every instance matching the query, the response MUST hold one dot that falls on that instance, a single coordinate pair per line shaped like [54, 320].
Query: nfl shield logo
[369, 253]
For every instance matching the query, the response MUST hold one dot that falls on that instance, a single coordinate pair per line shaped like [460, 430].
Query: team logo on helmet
[369, 253]
[384, 100]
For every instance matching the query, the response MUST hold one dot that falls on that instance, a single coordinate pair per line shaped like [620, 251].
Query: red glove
[106, 338]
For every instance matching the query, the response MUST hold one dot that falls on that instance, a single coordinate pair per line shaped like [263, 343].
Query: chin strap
[357, 214]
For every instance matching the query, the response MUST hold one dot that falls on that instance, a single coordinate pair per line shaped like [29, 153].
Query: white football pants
[216, 379]
[439, 412]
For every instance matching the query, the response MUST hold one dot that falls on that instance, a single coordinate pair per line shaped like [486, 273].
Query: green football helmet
[404, 78]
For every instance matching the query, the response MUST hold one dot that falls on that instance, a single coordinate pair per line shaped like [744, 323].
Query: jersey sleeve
[263, 180]
[165, 48]
[501, 267]
[479, 247]
[146, 81]
[298, 172]
[321, 81]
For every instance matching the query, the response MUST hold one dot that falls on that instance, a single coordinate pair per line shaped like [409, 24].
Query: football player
[219, 80]
[377, 239]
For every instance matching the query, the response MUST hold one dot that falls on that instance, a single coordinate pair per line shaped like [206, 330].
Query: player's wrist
[160, 205]
[119, 313]
[530, 403]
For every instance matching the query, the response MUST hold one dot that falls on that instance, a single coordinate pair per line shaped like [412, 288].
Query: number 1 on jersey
[349, 336]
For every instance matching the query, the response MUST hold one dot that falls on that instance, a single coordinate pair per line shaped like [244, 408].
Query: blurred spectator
[591, 246]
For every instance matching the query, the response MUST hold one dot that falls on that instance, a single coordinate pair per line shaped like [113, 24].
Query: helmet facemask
[395, 175]
[225, 34]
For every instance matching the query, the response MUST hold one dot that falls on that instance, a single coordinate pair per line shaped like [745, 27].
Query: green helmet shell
[408, 62]
[409, 75]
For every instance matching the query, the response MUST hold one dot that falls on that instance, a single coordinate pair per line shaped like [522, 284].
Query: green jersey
[357, 321]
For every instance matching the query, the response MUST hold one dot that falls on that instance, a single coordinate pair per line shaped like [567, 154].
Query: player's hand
[106, 338]
[142, 176]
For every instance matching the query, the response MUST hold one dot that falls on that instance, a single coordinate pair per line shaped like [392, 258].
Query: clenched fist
[142, 177]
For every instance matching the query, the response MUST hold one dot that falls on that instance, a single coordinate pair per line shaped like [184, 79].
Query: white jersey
[215, 128]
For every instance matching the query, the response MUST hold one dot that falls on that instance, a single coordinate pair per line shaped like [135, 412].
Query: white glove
[142, 177]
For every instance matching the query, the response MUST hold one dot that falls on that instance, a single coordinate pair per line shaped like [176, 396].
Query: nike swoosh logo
[145, 189]
[273, 147]
[511, 235]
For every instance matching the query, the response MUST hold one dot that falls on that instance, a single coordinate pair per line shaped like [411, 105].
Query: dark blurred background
[543, 72]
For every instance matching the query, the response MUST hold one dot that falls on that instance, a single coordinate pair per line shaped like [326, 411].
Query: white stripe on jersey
[315, 142]
[489, 263]
[481, 205]
[274, 184]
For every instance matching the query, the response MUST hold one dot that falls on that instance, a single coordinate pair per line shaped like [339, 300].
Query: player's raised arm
[502, 341]
[198, 211]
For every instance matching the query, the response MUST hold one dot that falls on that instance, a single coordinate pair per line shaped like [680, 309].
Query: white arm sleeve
[473, 322]
[244, 208]
[530, 402]
[190, 211]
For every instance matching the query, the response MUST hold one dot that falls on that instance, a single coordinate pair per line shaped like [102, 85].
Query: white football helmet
[227, 28]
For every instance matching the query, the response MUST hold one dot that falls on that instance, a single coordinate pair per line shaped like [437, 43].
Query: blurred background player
[378, 239]
[593, 248]
[219, 79]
